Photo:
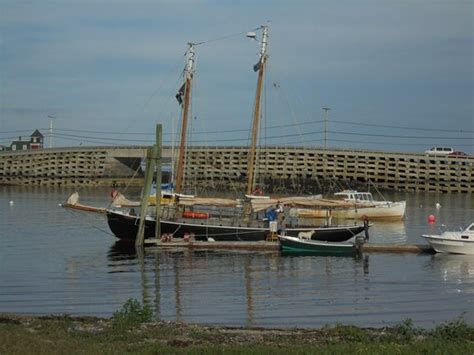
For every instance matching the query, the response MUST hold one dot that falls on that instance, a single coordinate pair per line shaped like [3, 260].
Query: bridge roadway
[211, 166]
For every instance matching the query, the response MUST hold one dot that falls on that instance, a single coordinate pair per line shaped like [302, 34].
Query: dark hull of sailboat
[125, 227]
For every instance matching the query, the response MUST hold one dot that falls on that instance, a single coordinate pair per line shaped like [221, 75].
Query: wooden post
[158, 180]
[150, 167]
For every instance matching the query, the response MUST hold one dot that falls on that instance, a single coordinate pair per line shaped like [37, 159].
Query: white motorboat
[453, 242]
[360, 205]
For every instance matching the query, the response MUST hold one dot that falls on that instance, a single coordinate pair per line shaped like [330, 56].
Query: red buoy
[431, 219]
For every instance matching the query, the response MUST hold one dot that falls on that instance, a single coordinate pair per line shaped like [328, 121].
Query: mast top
[190, 62]
[263, 46]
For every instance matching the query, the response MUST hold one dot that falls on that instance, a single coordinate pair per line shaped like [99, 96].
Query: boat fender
[166, 237]
[199, 215]
[188, 236]
[113, 194]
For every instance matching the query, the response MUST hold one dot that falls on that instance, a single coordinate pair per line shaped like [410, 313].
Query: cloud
[121, 60]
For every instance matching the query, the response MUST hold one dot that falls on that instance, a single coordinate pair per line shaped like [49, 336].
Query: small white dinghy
[453, 242]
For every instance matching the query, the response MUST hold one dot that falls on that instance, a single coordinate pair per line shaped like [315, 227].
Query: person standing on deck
[280, 215]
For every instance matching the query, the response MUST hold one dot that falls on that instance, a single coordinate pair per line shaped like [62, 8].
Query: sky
[396, 75]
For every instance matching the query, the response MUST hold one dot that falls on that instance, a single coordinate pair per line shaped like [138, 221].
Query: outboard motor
[360, 240]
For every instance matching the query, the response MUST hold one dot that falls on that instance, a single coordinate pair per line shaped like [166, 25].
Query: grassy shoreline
[68, 334]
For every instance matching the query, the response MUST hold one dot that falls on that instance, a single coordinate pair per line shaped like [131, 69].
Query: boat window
[464, 237]
[471, 228]
[351, 196]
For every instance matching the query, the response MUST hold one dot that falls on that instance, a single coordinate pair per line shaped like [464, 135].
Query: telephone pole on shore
[326, 109]
[51, 117]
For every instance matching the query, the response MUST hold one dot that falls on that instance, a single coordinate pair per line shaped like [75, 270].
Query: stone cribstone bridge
[81, 166]
[95, 166]
[392, 171]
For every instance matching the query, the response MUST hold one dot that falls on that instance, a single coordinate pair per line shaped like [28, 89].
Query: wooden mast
[256, 114]
[188, 74]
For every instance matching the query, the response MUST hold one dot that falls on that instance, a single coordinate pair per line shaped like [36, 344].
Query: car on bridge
[458, 154]
[439, 151]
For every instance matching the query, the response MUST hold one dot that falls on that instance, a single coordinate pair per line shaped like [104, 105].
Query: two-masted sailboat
[223, 219]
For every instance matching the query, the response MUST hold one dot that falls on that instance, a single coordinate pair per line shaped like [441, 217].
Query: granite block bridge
[211, 166]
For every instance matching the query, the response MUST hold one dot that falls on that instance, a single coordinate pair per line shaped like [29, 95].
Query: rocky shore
[67, 334]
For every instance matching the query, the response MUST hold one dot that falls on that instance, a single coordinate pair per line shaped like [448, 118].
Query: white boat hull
[451, 242]
[393, 210]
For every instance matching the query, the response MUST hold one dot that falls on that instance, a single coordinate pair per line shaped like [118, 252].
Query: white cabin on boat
[355, 196]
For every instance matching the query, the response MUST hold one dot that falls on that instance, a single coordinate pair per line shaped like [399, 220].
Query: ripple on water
[54, 261]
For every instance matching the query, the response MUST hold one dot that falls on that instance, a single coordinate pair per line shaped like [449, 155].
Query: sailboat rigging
[186, 92]
[256, 114]
[223, 219]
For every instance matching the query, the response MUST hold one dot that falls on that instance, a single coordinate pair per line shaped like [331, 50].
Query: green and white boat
[295, 245]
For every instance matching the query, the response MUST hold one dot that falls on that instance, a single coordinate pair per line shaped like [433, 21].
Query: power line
[62, 135]
[398, 136]
[306, 123]
[290, 135]
[226, 36]
[404, 127]
[388, 143]
[20, 130]
[269, 137]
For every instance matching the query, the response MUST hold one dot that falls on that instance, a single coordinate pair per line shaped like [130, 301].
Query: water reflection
[249, 289]
[186, 285]
[65, 263]
[458, 269]
[388, 232]
[140, 252]
[122, 251]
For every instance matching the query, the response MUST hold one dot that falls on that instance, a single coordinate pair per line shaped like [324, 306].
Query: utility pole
[51, 117]
[326, 109]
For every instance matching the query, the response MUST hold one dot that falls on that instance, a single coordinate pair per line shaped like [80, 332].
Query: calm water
[54, 260]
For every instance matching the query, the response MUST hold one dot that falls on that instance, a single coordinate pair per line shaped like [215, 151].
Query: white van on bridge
[439, 151]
